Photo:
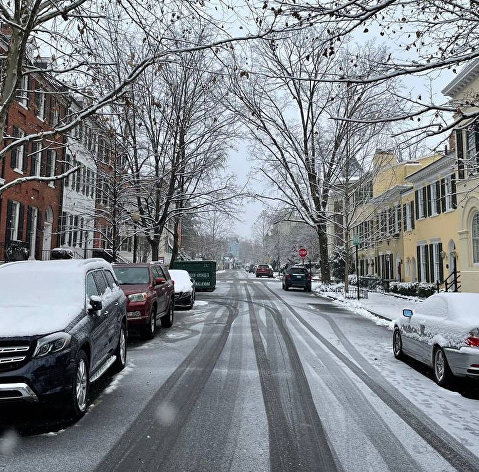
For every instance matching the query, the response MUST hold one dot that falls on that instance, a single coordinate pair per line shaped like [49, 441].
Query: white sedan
[184, 288]
[443, 333]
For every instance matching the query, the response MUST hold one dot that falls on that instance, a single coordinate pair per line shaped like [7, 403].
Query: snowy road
[258, 379]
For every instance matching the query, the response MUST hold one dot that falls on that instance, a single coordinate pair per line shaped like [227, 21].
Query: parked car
[297, 277]
[150, 296]
[251, 268]
[62, 325]
[264, 270]
[184, 288]
[442, 333]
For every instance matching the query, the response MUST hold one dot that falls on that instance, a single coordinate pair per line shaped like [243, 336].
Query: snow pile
[182, 280]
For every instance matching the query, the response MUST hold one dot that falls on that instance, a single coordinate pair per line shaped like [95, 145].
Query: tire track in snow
[294, 446]
[444, 443]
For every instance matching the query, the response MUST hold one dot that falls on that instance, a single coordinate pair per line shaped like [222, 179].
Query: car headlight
[137, 297]
[52, 343]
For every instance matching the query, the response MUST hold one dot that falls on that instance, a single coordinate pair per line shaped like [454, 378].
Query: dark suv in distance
[298, 277]
[150, 296]
[62, 325]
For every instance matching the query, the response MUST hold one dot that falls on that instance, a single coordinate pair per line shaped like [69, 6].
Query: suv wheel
[77, 400]
[120, 351]
[150, 329]
[167, 320]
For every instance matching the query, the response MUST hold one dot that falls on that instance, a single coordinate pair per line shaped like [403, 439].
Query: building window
[422, 263]
[40, 104]
[437, 262]
[36, 159]
[19, 155]
[475, 238]
[421, 203]
[433, 199]
[448, 193]
[15, 220]
[22, 94]
[51, 161]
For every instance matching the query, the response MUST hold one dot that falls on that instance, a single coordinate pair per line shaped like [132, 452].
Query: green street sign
[356, 240]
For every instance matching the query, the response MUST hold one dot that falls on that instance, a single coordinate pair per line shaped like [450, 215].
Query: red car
[150, 296]
[264, 270]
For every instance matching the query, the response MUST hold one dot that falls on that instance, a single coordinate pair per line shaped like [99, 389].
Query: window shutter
[47, 102]
[39, 229]
[418, 262]
[453, 191]
[413, 224]
[399, 217]
[431, 263]
[33, 157]
[14, 151]
[426, 260]
[49, 163]
[404, 217]
[416, 201]
[43, 164]
[441, 265]
[476, 140]
[63, 221]
[21, 216]
[29, 91]
[29, 225]
[424, 202]
[8, 227]
[438, 197]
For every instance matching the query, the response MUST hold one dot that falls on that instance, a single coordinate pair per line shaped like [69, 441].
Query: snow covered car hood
[35, 320]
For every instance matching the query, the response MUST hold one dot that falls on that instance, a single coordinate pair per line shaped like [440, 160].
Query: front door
[47, 241]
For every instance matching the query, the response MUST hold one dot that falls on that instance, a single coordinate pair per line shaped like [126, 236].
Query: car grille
[14, 354]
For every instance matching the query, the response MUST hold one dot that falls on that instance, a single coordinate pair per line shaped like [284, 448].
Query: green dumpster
[202, 272]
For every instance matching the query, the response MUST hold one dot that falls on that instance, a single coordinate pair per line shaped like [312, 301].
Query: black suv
[62, 325]
[297, 276]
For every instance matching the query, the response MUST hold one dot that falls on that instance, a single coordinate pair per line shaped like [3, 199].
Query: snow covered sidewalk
[387, 307]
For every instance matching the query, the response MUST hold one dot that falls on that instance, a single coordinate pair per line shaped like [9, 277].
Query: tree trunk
[155, 248]
[323, 254]
[174, 253]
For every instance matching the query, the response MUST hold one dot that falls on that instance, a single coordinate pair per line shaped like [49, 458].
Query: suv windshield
[132, 275]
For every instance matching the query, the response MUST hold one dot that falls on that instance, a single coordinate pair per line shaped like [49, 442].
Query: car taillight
[472, 341]
[288, 276]
[308, 276]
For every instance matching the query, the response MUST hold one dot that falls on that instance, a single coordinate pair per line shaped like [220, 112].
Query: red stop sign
[303, 252]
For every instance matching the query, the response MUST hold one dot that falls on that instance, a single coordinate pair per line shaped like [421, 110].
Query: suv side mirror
[159, 281]
[407, 313]
[95, 303]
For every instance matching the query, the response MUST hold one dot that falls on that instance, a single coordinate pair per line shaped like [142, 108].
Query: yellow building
[423, 220]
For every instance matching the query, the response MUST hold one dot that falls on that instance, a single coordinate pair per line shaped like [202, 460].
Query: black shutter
[29, 225]
[424, 202]
[21, 216]
[398, 209]
[476, 140]
[416, 200]
[429, 202]
[14, 151]
[438, 197]
[33, 157]
[453, 191]
[413, 224]
[29, 91]
[46, 114]
[49, 163]
[431, 263]
[443, 195]
[404, 217]
[43, 164]
[38, 253]
[426, 260]
[418, 262]
[63, 221]
[8, 228]
[460, 153]
[441, 268]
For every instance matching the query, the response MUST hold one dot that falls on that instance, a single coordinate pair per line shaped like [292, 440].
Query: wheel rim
[439, 364]
[397, 342]
[152, 323]
[122, 347]
[81, 385]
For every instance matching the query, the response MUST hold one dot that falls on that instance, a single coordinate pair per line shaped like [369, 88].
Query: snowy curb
[346, 305]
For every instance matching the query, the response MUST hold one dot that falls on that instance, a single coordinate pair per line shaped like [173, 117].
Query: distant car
[251, 268]
[442, 333]
[62, 325]
[297, 277]
[184, 288]
[150, 296]
[264, 270]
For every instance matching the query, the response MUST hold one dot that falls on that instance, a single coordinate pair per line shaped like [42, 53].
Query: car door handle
[116, 303]
[105, 312]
